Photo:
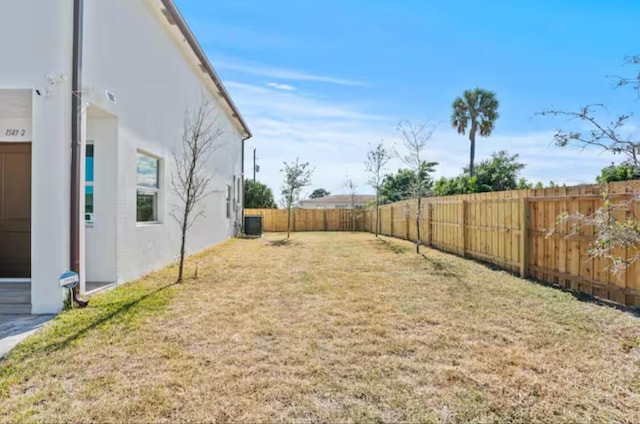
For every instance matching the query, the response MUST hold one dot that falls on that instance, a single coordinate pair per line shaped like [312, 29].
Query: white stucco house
[93, 97]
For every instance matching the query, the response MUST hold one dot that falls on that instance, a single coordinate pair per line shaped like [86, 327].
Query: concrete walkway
[16, 328]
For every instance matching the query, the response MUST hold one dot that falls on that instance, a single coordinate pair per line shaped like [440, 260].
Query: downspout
[76, 145]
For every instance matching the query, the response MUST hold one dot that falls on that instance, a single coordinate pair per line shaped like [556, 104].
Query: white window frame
[233, 196]
[157, 191]
[228, 201]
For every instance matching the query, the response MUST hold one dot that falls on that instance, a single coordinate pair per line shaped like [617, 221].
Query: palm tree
[477, 109]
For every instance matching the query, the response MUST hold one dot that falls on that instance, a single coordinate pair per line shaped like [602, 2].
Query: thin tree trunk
[418, 225]
[182, 247]
[289, 222]
[185, 220]
[472, 138]
[377, 214]
[183, 242]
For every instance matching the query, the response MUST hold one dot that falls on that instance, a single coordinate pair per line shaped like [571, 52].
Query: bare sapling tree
[609, 134]
[616, 229]
[414, 139]
[615, 223]
[633, 81]
[375, 165]
[352, 189]
[296, 176]
[606, 135]
[191, 182]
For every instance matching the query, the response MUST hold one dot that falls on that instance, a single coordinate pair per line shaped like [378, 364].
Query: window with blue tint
[89, 163]
[147, 171]
[88, 179]
[147, 188]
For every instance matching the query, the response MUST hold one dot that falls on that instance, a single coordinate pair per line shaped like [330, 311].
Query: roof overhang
[174, 17]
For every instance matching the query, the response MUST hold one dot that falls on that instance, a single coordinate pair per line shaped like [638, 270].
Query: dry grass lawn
[329, 328]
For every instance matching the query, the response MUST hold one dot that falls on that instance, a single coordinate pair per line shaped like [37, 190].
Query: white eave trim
[168, 9]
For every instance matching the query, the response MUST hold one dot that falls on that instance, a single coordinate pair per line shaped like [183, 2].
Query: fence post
[463, 224]
[428, 219]
[407, 220]
[524, 236]
[391, 208]
[324, 218]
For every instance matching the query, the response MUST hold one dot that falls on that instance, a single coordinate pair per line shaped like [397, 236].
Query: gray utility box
[253, 225]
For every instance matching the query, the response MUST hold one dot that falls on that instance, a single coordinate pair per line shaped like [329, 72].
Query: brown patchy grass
[329, 328]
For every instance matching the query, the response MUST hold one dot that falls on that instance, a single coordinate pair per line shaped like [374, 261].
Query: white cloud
[261, 102]
[262, 70]
[335, 137]
[283, 87]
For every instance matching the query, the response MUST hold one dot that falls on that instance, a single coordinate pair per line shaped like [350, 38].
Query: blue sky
[323, 81]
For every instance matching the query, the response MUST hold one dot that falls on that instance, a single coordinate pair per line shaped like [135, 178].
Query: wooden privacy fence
[511, 230]
[508, 229]
[275, 220]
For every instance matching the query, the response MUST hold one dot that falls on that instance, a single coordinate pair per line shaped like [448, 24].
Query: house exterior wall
[129, 50]
[101, 235]
[36, 39]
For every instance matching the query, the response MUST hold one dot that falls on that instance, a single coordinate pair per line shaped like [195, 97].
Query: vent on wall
[110, 96]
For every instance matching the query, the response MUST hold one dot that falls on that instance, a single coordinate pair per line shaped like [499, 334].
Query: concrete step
[15, 298]
[15, 309]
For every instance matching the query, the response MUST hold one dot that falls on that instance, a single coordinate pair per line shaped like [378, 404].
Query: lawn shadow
[101, 319]
[440, 266]
[588, 298]
[445, 269]
[281, 243]
[395, 248]
[581, 296]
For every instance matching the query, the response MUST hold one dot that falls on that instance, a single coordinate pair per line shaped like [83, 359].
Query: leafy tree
[258, 195]
[318, 193]
[377, 160]
[623, 172]
[462, 184]
[477, 110]
[395, 187]
[523, 184]
[296, 176]
[498, 173]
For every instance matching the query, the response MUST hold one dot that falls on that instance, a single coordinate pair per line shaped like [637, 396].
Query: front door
[15, 210]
